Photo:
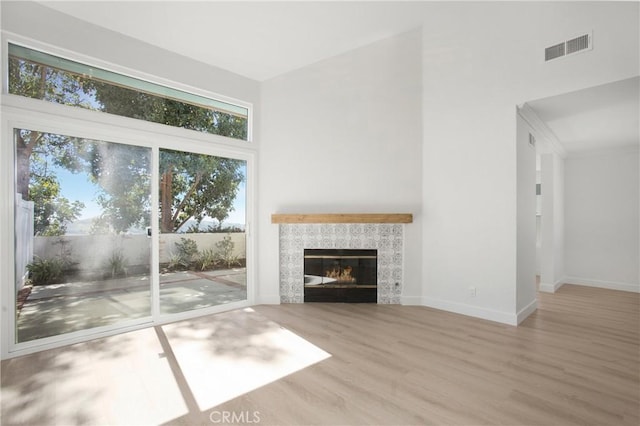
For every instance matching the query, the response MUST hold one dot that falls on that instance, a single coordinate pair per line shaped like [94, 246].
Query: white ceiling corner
[258, 40]
[596, 118]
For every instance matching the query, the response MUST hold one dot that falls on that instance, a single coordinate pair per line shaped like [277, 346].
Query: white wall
[526, 221]
[479, 61]
[538, 216]
[558, 217]
[344, 135]
[552, 223]
[602, 215]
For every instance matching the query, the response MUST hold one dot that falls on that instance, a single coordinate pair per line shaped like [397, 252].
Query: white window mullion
[155, 235]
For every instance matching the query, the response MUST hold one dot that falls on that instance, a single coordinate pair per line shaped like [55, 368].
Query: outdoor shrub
[219, 229]
[206, 259]
[225, 252]
[176, 262]
[46, 271]
[117, 263]
[187, 248]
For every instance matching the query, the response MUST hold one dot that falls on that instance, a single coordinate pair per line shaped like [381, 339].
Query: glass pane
[202, 224]
[38, 75]
[82, 253]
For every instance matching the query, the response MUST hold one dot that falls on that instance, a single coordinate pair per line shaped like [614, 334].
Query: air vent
[577, 44]
[569, 47]
[554, 52]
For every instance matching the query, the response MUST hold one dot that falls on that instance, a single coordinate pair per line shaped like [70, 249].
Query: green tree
[52, 213]
[148, 107]
[123, 174]
[41, 82]
[192, 186]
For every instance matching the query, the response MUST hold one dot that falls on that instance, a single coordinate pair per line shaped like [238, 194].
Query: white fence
[24, 239]
[90, 254]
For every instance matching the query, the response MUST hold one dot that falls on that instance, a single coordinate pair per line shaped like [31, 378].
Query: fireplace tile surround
[387, 239]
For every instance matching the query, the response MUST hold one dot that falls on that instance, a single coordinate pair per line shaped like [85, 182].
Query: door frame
[20, 112]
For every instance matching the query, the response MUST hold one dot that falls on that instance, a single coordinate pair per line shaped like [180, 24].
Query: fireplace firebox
[340, 275]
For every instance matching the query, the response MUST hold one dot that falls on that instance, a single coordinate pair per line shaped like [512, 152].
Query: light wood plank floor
[573, 362]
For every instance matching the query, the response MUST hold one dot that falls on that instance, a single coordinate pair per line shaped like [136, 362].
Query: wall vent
[554, 52]
[569, 47]
[579, 43]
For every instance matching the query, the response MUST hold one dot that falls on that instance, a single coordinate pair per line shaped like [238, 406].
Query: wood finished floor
[573, 362]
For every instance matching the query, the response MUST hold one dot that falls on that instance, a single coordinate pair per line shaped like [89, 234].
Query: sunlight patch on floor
[121, 379]
[155, 375]
[225, 356]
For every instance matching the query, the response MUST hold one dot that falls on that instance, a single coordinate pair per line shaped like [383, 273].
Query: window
[118, 224]
[82, 249]
[42, 76]
[82, 254]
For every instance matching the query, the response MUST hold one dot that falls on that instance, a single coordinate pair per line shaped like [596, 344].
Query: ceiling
[600, 117]
[264, 39]
[259, 40]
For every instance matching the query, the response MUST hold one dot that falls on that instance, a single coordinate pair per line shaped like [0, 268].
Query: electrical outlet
[472, 292]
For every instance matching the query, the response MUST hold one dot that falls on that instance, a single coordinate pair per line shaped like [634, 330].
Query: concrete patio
[62, 308]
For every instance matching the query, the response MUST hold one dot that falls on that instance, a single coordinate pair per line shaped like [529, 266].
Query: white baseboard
[551, 288]
[527, 310]
[411, 300]
[611, 285]
[472, 311]
[268, 299]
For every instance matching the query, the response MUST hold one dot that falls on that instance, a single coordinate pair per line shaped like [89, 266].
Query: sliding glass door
[82, 254]
[86, 254]
[202, 231]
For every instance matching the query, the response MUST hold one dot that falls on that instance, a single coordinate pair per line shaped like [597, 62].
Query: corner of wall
[551, 287]
[524, 313]
[472, 311]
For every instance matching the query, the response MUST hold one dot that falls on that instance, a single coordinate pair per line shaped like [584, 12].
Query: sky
[78, 187]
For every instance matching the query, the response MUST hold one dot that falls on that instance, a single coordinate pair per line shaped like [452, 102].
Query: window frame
[9, 38]
[22, 112]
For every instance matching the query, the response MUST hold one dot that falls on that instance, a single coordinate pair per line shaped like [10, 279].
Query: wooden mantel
[342, 218]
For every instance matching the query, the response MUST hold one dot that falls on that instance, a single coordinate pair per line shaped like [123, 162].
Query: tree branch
[194, 186]
[182, 223]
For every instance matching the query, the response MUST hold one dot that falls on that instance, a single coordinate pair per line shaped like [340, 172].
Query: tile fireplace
[385, 239]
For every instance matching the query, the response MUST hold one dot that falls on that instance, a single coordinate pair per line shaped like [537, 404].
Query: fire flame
[341, 274]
